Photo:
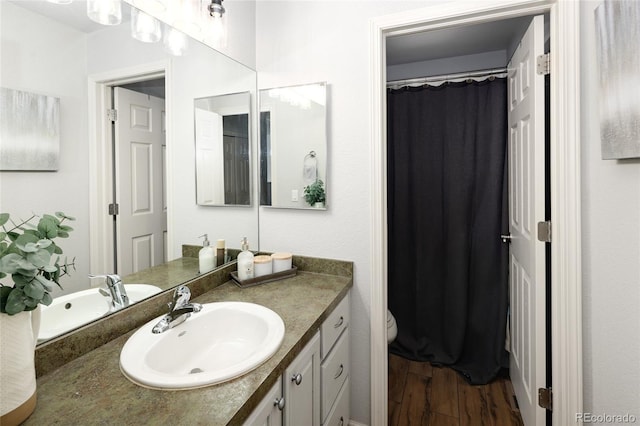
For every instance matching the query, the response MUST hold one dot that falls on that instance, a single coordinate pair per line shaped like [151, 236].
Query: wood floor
[420, 394]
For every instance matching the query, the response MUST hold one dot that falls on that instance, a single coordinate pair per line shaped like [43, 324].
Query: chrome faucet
[117, 292]
[179, 310]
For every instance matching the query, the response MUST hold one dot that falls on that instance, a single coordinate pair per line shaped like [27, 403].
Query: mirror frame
[246, 108]
[310, 153]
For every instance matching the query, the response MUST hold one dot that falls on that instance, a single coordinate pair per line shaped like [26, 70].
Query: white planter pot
[18, 337]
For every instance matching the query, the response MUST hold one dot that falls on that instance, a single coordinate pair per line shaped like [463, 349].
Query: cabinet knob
[339, 323]
[279, 402]
[297, 378]
[341, 421]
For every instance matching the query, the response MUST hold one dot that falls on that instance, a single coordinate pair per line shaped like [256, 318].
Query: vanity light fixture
[60, 1]
[216, 9]
[144, 27]
[175, 42]
[105, 12]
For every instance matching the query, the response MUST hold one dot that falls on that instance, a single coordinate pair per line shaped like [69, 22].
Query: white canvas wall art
[29, 131]
[618, 45]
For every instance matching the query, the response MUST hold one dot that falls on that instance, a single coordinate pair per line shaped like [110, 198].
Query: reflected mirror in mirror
[293, 147]
[223, 160]
[55, 50]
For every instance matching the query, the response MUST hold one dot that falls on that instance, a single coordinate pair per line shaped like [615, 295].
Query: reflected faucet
[179, 310]
[117, 292]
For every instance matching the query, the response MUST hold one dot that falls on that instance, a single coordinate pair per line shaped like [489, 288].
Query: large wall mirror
[54, 50]
[223, 154]
[293, 147]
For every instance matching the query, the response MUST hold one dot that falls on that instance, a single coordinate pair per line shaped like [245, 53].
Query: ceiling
[451, 42]
[73, 15]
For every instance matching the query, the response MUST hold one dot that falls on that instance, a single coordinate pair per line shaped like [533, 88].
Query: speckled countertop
[92, 390]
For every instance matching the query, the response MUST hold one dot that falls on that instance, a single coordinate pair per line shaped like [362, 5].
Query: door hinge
[114, 209]
[545, 398]
[543, 64]
[544, 231]
[112, 115]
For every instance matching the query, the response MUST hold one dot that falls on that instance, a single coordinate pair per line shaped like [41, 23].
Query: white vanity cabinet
[335, 366]
[269, 411]
[314, 389]
[301, 383]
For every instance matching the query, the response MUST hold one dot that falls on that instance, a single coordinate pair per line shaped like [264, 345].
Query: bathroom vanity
[314, 306]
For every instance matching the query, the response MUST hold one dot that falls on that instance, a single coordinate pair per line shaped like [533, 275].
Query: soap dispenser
[245, 262]
[206, 256]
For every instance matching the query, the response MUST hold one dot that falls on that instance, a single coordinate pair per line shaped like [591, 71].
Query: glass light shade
[105, 12]
[152, 6]
[144, 27]
[186, 15]
[175, 42]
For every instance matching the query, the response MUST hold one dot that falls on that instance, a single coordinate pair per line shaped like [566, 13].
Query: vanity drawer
[339, 415]
[331, 328]
[334, 372]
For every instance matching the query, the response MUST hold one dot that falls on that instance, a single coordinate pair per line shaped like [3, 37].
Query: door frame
[100, 148]
[566, 291]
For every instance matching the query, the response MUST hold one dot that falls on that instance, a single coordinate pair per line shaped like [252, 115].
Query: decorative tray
[263, 279]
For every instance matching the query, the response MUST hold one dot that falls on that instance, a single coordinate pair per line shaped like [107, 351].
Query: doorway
[141, 163]
[450, 135]
[139, 176]
[564, 188]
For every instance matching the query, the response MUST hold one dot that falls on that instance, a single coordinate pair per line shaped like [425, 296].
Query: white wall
[311, 41]
[42, 56]
[611, 255]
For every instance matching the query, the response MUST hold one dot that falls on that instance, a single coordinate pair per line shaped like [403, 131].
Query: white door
[526, 209]
[139, 169]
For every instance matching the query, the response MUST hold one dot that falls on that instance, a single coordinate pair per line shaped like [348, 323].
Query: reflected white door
[140, 170]
[526, 209]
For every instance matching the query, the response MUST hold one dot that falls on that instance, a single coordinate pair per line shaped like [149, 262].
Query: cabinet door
[302, 387]
[269, 411]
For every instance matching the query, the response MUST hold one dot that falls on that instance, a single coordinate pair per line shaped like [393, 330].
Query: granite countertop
[92, 390]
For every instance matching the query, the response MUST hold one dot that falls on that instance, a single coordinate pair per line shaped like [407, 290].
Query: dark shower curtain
[447, 207]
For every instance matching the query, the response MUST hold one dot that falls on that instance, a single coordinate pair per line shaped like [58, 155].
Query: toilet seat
[392, 327]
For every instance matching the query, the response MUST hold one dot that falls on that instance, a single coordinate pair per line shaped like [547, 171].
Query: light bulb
[144, 27]
[105, 12]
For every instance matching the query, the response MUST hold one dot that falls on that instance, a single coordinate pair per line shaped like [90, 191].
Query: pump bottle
[245, 262]
[206, 256]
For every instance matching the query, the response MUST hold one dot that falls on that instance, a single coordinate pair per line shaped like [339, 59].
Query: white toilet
[392, 327]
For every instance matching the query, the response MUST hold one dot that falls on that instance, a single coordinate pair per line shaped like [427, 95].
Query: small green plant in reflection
[314, 193]
[27, 253]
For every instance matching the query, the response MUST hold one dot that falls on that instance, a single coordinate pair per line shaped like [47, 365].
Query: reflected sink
[76, 309]
[223, 341]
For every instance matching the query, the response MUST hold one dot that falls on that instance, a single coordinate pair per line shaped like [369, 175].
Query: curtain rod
[447, 77]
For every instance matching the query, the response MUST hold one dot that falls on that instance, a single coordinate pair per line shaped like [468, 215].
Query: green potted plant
[314, 194]
[25, 255]
[28, 271]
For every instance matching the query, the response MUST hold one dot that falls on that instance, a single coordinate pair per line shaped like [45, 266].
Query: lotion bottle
[206, 256]
[245, 262]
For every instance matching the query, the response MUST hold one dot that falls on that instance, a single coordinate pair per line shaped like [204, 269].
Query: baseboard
[353, 423]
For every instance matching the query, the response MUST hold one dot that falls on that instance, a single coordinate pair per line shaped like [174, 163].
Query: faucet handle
[109, 279]
[181, 297]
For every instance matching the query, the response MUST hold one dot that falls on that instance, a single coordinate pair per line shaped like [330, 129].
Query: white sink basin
[76, 309]
[223, 341]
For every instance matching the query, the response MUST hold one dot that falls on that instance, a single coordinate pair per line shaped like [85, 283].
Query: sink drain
[196, 370]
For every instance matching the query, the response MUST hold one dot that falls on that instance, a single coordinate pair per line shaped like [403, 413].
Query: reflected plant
[314, 193]
[26, 253]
